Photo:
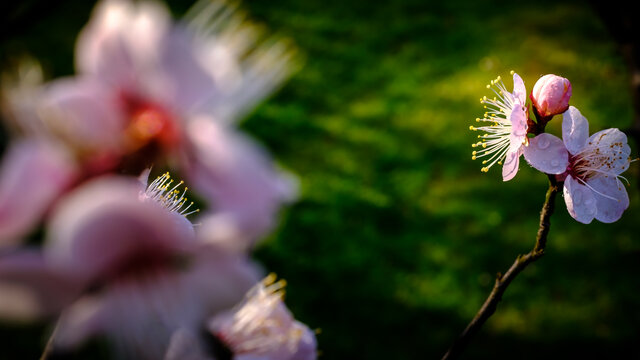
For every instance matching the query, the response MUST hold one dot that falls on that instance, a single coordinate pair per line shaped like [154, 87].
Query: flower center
[151, 132]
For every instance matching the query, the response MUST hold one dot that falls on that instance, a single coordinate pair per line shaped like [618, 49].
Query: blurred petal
[103, 225]
[30, 288]
[547, 154]
[185, 345]
[611, 198]
[575, 130]
[34, 173]
[121, 40]
[580, 201]
[84, 113]
[238, 177]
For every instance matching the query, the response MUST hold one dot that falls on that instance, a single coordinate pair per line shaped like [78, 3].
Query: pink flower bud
[551, 95]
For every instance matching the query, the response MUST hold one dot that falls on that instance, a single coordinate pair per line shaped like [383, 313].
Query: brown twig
[503, 281]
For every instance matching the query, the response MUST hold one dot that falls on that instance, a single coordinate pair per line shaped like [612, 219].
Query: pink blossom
[551, 95]
[132, 265]
[589, 165]
[506, 136]
[154, 92]
[261, 327]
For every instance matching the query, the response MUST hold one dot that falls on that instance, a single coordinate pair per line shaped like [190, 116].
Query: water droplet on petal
[543, 143]
[554, 163]
[576, 196]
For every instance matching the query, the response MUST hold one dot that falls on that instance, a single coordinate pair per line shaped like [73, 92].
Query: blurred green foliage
[397, 236]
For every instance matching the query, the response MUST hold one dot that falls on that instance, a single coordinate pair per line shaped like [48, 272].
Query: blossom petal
[519, 91]
[547, 154]
[34, 173]
[121, 41]
[31, 288]
[237, 176]
[613, 144]
[84, 112]
[575, 130]
[580, 201]
[518, 119]
[511, 163]
[611, 198]
[101, 225]
[185, 345]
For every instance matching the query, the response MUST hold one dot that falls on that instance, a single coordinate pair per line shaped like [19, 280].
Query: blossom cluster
[590, 167]
[131, 259]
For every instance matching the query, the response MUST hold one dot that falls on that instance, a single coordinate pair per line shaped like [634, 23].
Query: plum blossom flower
[261, 327]
[551, 94]
[506, 135]
[154, 92]
[131, 266]
[591, 167]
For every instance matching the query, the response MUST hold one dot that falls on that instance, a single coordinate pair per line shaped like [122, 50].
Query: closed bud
[551, 95]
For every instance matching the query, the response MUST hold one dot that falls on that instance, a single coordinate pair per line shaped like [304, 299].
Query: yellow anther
[473, 158]
[512, 72]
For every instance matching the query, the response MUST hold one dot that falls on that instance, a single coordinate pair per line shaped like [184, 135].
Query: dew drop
[576, 196]
[543, 143]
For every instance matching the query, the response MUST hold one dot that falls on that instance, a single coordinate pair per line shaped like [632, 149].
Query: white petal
[519, 91]
[547, 154]
[613, 144]
[575, 130]
[580, 201]
[511, 163]
[611, 198]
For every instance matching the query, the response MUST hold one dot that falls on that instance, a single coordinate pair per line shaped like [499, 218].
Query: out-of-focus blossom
[551, 94]
[589, 165]
[261, 327]
[506, 134]
[33, 173]
[154, 92]
[134, 265]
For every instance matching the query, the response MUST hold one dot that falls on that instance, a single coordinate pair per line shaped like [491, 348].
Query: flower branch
[502, 281]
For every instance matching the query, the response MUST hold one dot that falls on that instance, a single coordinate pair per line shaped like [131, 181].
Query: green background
[397, 235]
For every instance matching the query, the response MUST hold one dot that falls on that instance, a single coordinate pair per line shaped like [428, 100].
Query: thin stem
[502, 281]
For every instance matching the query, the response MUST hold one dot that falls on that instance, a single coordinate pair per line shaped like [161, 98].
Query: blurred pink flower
[589, 166]
[133, 266]
[154, 92]
[261, 327]
[551, 94]
[505, 138]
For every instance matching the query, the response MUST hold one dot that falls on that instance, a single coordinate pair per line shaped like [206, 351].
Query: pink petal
[31, 288]
[547, 154]
[34, 173]
[237, 176]
[580, 201]
[84, 112]
[102, 225]
[519, 91]
[575, 130]
[611, 198]
[518, 118]
[511, 163]
[121, 41]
